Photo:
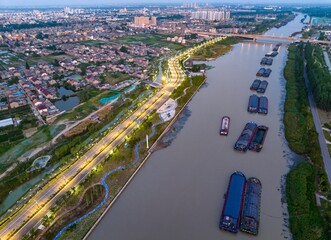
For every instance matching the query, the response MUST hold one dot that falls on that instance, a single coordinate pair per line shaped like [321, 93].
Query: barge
[267, 73]
[263, 105]
[256, 84]
[271, 54]
[258, 140]
[264, 61]
[251, 211]
[262, 87]
[260, 72]
[225, 125]
[246, 137]
[269, 61]
[253, 104]
[234, 199]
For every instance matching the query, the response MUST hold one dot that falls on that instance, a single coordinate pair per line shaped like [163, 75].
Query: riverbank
[305, 219]
[216, 50]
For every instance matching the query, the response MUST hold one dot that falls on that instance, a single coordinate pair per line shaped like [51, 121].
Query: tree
[124, 49]
[27, 66]
[56, 63]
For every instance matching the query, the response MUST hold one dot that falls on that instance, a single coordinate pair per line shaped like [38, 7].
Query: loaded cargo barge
[255, 85]
[262, 87]
[253, 104]
[246, 137]
[225, 125]
[258, 140]
[263, 105]
[251, 211]
[234, 199]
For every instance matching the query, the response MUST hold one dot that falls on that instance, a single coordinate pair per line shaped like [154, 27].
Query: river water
[178, 194]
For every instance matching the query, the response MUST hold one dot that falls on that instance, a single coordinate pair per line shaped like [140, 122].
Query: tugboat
[225, 125]
[233, 204]
[246, 137]
[251, 211]
[258, 140]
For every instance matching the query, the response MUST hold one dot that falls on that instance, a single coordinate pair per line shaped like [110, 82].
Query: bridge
[257, 36]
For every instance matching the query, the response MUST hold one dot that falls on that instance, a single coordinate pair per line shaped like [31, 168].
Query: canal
[178, 194]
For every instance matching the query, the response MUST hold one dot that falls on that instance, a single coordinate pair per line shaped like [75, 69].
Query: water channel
[178, 194]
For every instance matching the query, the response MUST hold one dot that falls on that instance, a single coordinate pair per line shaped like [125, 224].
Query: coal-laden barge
[250, 219]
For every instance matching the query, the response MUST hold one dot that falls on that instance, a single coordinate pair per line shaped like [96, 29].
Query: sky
[27, 3]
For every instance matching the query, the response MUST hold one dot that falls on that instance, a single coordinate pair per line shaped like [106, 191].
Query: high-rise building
[190, 5]
[211, 15]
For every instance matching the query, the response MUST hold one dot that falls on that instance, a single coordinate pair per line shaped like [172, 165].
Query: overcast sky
[25, 3]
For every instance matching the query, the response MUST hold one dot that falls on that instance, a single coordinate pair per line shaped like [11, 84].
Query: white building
[211, 15]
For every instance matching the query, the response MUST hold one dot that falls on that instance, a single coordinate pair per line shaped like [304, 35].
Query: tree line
[319, 76]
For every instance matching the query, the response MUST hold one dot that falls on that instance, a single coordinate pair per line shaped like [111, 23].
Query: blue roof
[235, 195]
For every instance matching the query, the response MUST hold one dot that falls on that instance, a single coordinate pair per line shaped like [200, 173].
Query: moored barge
[251, 211]
[263, 105]
[225, 125]
[264, 61]
[258, 140]
[253, 104]
[267, 73]
[260, 72]
[246, 137]
[262, 87]
[234, 199]
[255, 85]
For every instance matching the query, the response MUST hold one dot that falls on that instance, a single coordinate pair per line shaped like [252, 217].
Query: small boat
[255, 85]
[225, 125]
[246, 137]
[251, 211]
[253, 104]
[258, 140]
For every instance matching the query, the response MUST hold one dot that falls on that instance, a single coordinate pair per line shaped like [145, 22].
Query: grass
[215, 50]
[327, 135]
[305, 219]
[113, 78]
[94, 43]
[153, 40]
[83, 109]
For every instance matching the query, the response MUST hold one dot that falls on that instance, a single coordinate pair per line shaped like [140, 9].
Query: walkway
[104, 183]
[319, 130]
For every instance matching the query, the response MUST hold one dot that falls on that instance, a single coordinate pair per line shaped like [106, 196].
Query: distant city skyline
[76, 3]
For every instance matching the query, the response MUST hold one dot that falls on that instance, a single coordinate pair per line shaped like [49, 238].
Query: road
[327, 60]
[318, 127]
[31, 214]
